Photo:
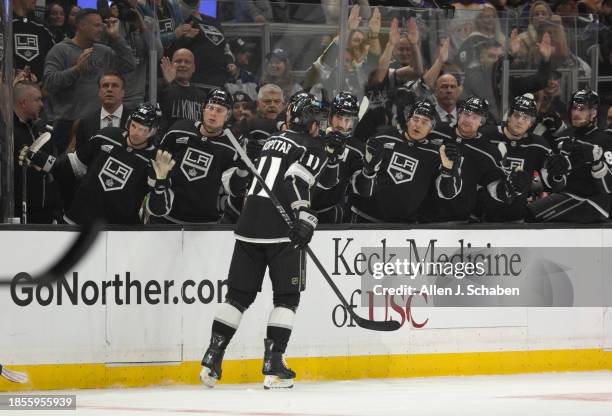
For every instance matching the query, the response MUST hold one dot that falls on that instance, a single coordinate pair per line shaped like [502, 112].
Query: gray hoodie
[74, 94]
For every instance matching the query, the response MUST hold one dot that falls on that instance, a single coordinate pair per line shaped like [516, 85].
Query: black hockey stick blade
[362, 322]
[77, 250]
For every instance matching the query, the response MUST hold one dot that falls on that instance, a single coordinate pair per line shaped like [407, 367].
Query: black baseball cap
[240, 97]
[239, 45]
[279, 54]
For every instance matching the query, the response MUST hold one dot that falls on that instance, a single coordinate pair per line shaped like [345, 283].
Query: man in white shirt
[447, 92]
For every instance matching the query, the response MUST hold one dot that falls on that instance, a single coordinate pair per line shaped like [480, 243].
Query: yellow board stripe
[79, 376]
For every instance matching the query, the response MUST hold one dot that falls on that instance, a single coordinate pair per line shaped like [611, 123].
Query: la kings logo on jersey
[166, 26]
[402, 167]
[213, 34]
[513, 163]
[114, 175]
[26, 46]
[195, 164]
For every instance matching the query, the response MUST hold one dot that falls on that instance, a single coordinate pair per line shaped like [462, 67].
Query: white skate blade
[273, 382]
[206, 378]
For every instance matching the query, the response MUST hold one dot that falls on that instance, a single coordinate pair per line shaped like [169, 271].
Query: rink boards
[94, 332]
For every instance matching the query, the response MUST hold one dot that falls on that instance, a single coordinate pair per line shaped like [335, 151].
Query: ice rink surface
[571, 394]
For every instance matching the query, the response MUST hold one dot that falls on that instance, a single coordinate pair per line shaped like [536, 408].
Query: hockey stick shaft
[24, 194]
[362, 322]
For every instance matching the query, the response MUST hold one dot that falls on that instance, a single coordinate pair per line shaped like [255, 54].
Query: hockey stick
[362, 322]
[34, 147]
[14, 376]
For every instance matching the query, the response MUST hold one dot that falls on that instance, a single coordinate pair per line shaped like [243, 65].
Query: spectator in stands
[32, 41]
[541, 21]
[278, 71]
[178, 97]
[485, 80]
[609, 118]
[73, 68]
[55, 18]
[515, 11]
[43, 202]
[239, 79]
[114, 10]
[486, 27]
[209, 46]
[112, 112]
[407, 52]
[137, 29]
[71, 20]
[552, 110]
[171, 25]
[589, 6]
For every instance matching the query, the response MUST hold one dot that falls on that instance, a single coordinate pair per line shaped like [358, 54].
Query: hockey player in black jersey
[206, 163]
[526, 153]
[331, 203]
[408, 166]
[290, 163]
[586, 197]
[117, 172]
[481, 164]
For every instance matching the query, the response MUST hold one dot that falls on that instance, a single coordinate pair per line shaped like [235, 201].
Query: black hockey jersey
[527, 154]
[31, 43]
[209, 48]
[409, 171]
[581, 181]
[203, 166]
[256, 131]
[116, 181]
[290, 163]
[481, 164]
[330, 202]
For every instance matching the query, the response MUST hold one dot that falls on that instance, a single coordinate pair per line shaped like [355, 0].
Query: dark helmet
[345, 104]
[146, 114]
[304, 111]
[296, 97]
[475, 105]
[221, 97]
[423, 108]
[524, 104]
[585, 97]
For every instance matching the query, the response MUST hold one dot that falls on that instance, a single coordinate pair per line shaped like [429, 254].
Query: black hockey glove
[39, 159]
[518, 183]
[582, 153]
[450, 155]
[253, 148]
[334, 146]
[373, 155]
[303, 228]
[557, 165]
[552, 122]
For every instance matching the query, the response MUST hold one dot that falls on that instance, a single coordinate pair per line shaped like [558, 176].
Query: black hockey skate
[211, 363]
[278, 375]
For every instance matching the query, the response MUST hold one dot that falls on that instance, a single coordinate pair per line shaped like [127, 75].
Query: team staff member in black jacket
[42, 194]
[207, 161]
[410, 167]
[586, 197]
[291, 163]
[526, 152]
[118, 172]
[481, 164]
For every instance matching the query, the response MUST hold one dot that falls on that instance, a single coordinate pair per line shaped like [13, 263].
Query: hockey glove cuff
[373, 156]
[303, 229]
[450, 156]
[41, 160]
